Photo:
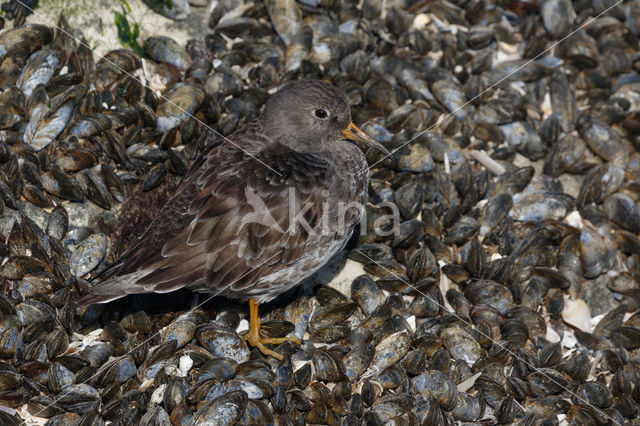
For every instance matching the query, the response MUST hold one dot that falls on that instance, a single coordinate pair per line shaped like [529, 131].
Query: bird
[258, 211]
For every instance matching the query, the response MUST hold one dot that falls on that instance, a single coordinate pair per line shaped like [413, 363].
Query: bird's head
[312, 114]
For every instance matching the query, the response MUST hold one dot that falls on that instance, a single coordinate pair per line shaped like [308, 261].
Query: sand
[95, 20]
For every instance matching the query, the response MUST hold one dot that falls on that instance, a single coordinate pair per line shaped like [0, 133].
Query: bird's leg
[254, 339]
[194, 300]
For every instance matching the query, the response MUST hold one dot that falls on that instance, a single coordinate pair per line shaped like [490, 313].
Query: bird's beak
[355, 134]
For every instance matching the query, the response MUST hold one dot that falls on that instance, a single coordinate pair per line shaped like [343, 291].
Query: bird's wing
[233, 213]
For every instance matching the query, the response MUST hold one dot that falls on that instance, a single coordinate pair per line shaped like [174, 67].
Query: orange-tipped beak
[355, 134]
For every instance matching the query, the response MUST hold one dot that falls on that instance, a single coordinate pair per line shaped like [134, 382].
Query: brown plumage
[230, 227]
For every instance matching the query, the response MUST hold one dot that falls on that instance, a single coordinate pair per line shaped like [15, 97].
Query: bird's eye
[321, 113]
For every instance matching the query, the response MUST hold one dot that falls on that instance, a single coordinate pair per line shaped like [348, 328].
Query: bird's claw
[254, 338]
[260, 342]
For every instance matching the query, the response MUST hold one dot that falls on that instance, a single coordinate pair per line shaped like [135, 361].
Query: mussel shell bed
[496, 279]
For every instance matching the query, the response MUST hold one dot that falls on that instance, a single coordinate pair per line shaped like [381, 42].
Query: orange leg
[254, 339]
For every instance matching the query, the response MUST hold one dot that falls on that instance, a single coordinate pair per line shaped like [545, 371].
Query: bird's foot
[254, 338]
[260, 342]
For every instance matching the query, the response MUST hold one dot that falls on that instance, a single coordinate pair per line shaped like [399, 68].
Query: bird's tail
[90, 299]
[114, 288]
